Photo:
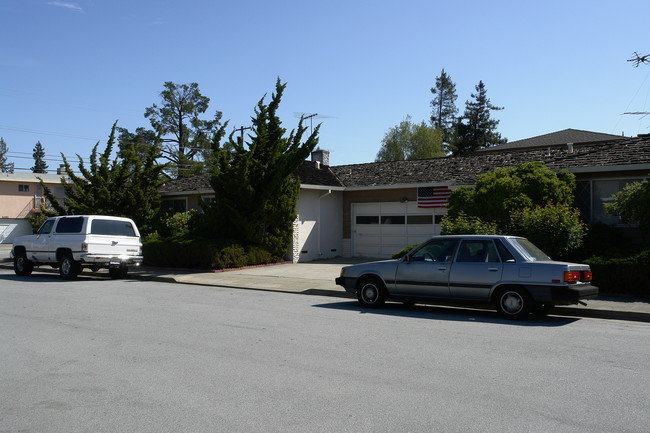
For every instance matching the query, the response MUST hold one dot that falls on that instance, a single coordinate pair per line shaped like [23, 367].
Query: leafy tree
[255, 192]
[5, 167]
[443, 106]
[408, 141]
[467, 225]
[476, 129]
[185, 136]
[632, 204]
[517, 200]
[124, 186]
[39, 159]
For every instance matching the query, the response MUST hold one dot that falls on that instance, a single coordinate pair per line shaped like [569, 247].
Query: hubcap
[370, 293]
[65, 267]
[512, 302]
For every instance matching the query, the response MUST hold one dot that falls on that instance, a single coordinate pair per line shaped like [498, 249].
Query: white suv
[73, 242]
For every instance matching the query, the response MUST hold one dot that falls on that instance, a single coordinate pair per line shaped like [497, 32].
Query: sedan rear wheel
[514, 303]
[371, 292]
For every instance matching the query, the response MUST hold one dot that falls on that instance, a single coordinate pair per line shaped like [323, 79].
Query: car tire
[68, 267]
[371, 292]
[513, 303]
[118, 272]
[22, 265]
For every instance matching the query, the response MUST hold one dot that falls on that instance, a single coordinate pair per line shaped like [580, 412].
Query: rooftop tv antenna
[311, 117]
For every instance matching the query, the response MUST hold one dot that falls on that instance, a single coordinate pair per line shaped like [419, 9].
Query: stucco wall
[320, 224]
[10, 228]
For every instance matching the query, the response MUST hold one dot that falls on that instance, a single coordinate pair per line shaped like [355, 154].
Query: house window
[23, 188]
[392, 219]
[602, 192]
[179, 205]
[419, 219]
[367, 219]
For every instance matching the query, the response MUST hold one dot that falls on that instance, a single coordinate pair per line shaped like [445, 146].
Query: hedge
[622, 276]
[202, 254]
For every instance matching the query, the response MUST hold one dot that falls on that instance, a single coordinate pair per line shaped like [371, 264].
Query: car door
[475, 270]
[425, 272]
[40, 241]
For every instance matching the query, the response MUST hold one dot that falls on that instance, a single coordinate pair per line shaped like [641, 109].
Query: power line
[57, 134]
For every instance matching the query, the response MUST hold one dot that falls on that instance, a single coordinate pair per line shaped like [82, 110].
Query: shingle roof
[454, 170]
[309, 174]
[558, 138]
[463, 170]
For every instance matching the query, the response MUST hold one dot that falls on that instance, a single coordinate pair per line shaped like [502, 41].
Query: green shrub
[403, 252]
[232, 256]
[554, 228]
[467, 225]
[622, 275]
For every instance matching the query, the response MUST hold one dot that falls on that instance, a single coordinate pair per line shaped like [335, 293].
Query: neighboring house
[376, 209]
[22, 195]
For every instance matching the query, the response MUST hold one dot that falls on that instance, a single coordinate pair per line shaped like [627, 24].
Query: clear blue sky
[69, 69]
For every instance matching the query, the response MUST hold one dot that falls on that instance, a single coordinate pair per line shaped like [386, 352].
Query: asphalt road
[98, 355]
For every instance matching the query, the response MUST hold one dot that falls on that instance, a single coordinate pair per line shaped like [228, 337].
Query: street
[101, 355]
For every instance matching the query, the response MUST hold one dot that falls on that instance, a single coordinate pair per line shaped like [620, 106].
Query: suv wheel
[514, 303]
[22, 265]
[68, 268]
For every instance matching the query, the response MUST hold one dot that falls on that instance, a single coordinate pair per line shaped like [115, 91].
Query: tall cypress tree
[476, 129]
[443, 106]
[5, 167]
[39, 159]
[255, 191]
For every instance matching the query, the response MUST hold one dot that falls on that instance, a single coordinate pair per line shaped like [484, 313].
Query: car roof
[474, 237]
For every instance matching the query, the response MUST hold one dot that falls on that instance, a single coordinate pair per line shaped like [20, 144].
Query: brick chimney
[321, 156]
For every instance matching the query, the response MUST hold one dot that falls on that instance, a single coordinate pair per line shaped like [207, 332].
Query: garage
[381, 229]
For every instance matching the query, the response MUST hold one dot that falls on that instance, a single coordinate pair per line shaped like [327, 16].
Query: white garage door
[380, 230]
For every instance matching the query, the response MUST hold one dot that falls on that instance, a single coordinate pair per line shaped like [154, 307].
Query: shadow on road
[454, 314]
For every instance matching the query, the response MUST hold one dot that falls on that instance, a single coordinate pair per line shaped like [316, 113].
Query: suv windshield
[530, 251]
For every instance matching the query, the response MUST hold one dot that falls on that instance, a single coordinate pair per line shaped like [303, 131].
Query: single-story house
[376, 209]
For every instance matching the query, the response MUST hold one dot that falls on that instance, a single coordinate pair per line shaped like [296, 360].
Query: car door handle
[493, 269]
[442, 268]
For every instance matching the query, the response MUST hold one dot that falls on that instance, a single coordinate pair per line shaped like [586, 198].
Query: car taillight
[587, 276]
[571, 276]
[84, 247]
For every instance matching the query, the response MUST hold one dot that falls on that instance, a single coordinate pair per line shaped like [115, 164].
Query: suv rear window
[112, 228]
[70, 225]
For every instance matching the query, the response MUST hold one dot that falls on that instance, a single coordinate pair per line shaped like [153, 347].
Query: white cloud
[71, 6]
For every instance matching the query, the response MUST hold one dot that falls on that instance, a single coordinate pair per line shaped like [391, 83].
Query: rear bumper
[572, 294]
[108, 261]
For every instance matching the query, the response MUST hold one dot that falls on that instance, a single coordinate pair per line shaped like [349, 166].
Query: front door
[425, 273]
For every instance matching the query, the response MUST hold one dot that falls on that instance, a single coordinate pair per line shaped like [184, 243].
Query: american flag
[433, 196]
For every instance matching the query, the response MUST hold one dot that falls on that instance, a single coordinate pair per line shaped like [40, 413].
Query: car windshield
[528, 249]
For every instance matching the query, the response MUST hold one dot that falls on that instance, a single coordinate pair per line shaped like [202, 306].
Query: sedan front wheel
[371, 292]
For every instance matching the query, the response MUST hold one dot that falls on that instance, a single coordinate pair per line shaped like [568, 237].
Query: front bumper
[349, 284]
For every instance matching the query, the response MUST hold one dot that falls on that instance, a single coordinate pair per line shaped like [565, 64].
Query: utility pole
[241, 133]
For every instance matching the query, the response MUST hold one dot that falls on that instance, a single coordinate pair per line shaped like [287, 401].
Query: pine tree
[39, 159]
[443, 106]
[255, 191]
[5, 167]
[476, 129]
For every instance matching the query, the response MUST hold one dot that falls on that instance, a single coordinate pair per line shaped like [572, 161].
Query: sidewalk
[317, 278]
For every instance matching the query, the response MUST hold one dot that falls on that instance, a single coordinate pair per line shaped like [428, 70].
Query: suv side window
[112, 228]
[46, 228]
[70, 225]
